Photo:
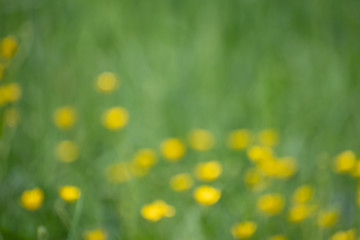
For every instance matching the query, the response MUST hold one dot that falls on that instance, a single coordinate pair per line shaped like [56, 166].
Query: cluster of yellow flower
[9, 92]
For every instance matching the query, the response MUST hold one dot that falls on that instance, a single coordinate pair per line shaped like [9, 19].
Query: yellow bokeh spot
[206, 195]
[32, 199]
[64, 117]
[172, 149]
[356, 170]
[115, 118]
[145, 158]
[271, 204]
[327, 219]
[208, 171]
[239, 139]
[181, 182]
[201, 140]
[345, 162]
[69, 193]
[299, 213]
[11, 117]
[243, 230]
[67, 151]
[118, 172]
[344, 235]
[254, 179]
[285, 167]
[97, 234]
[268, 137]
[157, 210]
[278, 237]
[8, 47]
[106, 82]
[9, 93]
[303, 194]
[260, 154]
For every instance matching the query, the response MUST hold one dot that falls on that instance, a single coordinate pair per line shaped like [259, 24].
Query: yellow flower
[278, 237]
[118, 173]
[327, 218]
[67, 151]
[259, 154]
[254, 179]
[243, 230]
[201, 140]
[106, 82]
[10, 93]
[145, 158]
[32, 199]
[2, 70]
[271, 204]
[285, 167]
[345, 162]
[206, 195]
[172, 149]
[344, 235]
[299, 212]
[115, 118]
[239, 139]
[69, 193]
[302, 194]
[97, 234]
[64, 117]
[208, 171]
[181, 182]
[8, 47]
[268, 137]
[157, 210]
[11, 117]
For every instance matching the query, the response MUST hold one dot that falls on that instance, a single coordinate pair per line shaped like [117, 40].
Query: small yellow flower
[278, 237]
[286, 167]
[208, 171]
[303, 194]
[67, 151]
[145, 158]
[118, 173]
[172, 149]
[8, 47]
[181, 182]
[259, 154]
[106, 82]
[64, 117]
[299, 213]
[115, 118]
[206, 195]
[239, 139]
[243, 230]
[345, 162]
[201, 140]
[11, 117]
[2, 70]
[268, 137]
[344, 235]
[97, 234]
[271, 204]
[10, 93]
[157, 210]
[254, 179]
[327, 218]
[69, 193]
[32, 199]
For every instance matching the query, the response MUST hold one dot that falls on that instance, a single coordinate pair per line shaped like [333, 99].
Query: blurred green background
[217, 65]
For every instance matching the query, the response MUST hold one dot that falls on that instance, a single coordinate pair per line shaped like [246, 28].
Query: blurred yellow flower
[9, 93]
[239, 139]
[115, 118]
[356, 169]
[11, 117]
[208, 171]
[268, 137]
[8, 47]
[278, 237]
[172, 149]
[145, 158]
[157, 210]
[285, 167]
[344, 235]
[259, 154]
[118, 172]
[67, 151]
[97, 234]
[201, 140]
[271, 204]
[243, 230]
[299, 213]
[32, 199]
[181, 182]
[64, 117]
[254, 179]
[69, 193]
[206, 195]
[345, 162]
[106, 82]
[2, 70]
[327, 218]
[303, 194]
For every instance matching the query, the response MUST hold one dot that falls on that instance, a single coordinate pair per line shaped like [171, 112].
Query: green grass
[217, 65]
